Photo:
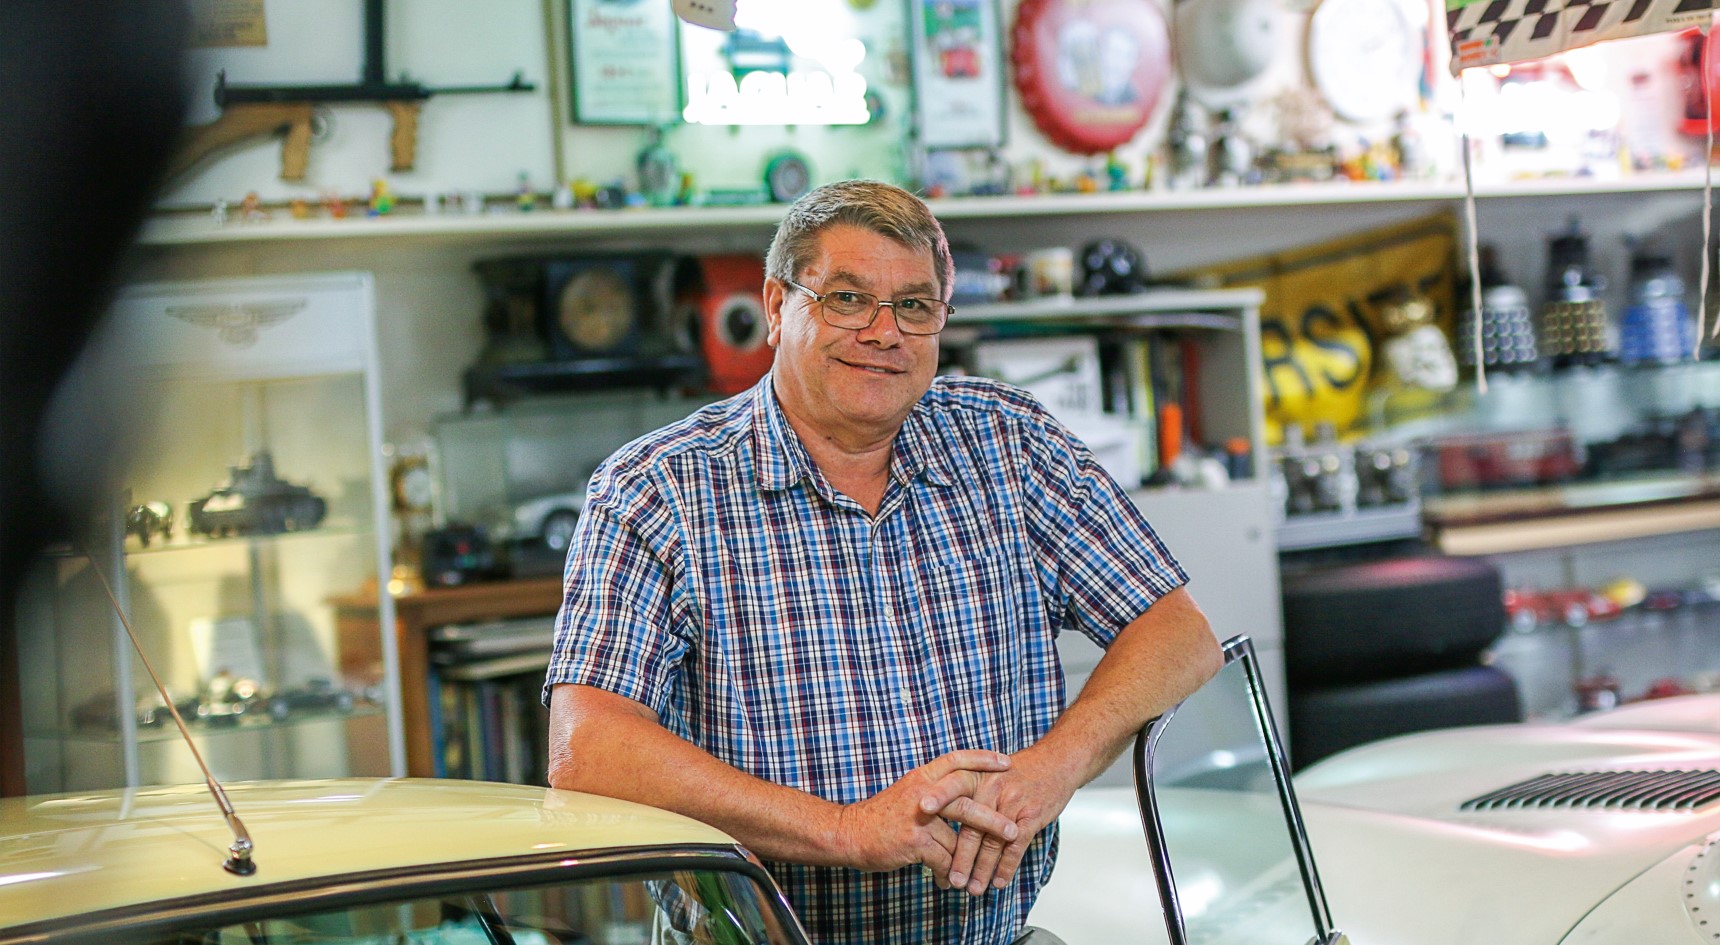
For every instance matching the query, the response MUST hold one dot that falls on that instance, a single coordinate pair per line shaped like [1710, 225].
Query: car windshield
[682, 907]
[1224, 825]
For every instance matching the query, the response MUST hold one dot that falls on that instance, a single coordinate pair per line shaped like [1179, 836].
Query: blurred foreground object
[91, 101]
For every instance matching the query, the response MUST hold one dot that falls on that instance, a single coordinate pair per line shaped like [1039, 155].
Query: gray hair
[883, 208]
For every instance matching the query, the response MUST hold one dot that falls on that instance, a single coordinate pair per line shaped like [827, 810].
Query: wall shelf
[186, 229]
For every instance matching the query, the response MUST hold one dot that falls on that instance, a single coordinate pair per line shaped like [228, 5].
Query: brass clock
[596, 310]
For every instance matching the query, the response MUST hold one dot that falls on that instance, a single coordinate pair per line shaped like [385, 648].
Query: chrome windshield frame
[1237, 649]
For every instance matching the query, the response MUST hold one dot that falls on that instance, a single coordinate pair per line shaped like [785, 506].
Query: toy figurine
[1229, 159]
[659, 171]
[381, 201]
[584, 193]
[562, 197]
[1574, 327]
[251, 208]
[299, 209]
[333, 204]
[219, 212]
[1116, 173]
[1187, 147]
[524, 199]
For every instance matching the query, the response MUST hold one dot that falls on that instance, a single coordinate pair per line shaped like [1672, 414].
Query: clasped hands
[1001, 802]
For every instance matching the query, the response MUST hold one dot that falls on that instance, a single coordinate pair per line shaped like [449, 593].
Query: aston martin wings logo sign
[1485, 32]
[237, 323]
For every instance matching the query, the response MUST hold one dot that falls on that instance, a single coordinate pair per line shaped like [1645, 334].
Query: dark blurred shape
[91, 102]
[1111, 267]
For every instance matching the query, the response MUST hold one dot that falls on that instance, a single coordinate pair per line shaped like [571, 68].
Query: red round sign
[1090, 72]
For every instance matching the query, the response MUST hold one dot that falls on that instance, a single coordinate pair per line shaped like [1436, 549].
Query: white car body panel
[1402, 864]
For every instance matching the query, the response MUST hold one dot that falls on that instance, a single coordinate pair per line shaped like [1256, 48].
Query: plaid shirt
[717, 578]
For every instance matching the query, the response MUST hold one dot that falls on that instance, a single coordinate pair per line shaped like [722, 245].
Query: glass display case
[256, 499]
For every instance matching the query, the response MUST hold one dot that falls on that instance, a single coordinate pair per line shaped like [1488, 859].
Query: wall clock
[1090, 72]
[1222, 46]
[1365, 57]
[605, 306]
[594, 310]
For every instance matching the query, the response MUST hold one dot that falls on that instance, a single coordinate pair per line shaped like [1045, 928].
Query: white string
[1474, 248]
[1707, 202]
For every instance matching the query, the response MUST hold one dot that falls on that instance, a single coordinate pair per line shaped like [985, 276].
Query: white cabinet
[258, 399]
[1223, 537]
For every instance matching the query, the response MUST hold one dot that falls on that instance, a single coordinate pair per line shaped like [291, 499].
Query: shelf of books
[487, 719]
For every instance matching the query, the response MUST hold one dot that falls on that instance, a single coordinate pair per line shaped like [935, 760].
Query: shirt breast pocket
[972, 612]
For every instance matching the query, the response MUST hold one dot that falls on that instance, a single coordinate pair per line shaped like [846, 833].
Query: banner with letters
[1320, 324]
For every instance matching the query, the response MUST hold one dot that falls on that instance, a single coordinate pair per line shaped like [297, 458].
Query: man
[821, 614]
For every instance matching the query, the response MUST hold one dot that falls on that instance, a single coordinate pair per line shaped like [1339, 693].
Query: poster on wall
[958, 73]
[625, 68]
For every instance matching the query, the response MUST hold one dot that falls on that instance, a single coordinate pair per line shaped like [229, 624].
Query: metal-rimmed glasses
[854, 310]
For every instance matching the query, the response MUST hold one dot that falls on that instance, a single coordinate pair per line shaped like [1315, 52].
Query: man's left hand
[1032, 793]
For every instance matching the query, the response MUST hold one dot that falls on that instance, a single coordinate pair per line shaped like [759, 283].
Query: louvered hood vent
[1606, 790]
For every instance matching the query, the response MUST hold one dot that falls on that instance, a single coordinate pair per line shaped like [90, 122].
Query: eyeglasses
[846, 308]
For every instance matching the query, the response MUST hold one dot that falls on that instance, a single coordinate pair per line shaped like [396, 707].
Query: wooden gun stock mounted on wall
[240, 123]
[248, 111]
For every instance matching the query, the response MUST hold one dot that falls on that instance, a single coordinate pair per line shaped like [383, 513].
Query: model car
[316, 695]
[374, 861]
[1604, 830]
[1572, 606]
[545, 522]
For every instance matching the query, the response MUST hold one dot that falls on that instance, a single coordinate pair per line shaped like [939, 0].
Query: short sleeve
[1107, 564]
[614, 631]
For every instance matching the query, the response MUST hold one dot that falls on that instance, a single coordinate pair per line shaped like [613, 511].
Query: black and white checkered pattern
[1492, 31]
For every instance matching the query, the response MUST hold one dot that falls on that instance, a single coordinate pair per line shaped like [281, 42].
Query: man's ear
[775, 293]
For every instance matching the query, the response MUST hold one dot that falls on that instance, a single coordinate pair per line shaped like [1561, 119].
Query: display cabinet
[255, 500]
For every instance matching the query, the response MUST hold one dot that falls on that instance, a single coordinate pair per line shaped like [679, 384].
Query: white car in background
[1600, 831]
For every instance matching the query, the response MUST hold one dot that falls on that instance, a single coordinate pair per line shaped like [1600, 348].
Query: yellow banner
[1320, 325]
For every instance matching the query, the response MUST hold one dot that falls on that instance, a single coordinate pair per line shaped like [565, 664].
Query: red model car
[1573, 607]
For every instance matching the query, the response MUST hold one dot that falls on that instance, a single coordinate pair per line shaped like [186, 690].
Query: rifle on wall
[251, 110]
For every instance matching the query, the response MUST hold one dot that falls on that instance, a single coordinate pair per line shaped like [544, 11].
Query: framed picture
[625, 62]
[958, 73]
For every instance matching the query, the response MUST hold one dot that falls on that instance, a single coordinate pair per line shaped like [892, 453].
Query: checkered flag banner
[1485, 32]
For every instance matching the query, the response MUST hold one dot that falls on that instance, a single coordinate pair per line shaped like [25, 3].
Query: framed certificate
[958, 73]
[625, 62]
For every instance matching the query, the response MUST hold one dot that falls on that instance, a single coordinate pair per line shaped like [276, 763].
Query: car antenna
[238, 860]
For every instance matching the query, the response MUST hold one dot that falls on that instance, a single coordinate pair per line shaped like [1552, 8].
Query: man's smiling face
[847, 382]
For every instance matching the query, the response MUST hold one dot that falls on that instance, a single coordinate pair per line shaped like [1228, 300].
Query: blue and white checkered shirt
[717, 578]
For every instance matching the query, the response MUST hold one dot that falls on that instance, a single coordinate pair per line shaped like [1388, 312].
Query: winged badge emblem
[237, 323]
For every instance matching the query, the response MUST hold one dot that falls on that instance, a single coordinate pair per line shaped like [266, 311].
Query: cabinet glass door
[255, 506]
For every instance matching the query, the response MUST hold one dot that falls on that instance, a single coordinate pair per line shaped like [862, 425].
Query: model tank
[255, 502]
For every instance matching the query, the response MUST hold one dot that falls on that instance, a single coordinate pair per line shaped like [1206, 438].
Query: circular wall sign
[1090, 73]
[1365, 57]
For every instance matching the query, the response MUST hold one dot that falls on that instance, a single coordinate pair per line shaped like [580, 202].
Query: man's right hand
[904, 824]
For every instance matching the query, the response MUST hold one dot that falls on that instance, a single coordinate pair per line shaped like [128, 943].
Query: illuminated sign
[783, 66]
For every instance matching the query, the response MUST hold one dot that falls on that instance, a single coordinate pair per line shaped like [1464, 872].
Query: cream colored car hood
[78, 853]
